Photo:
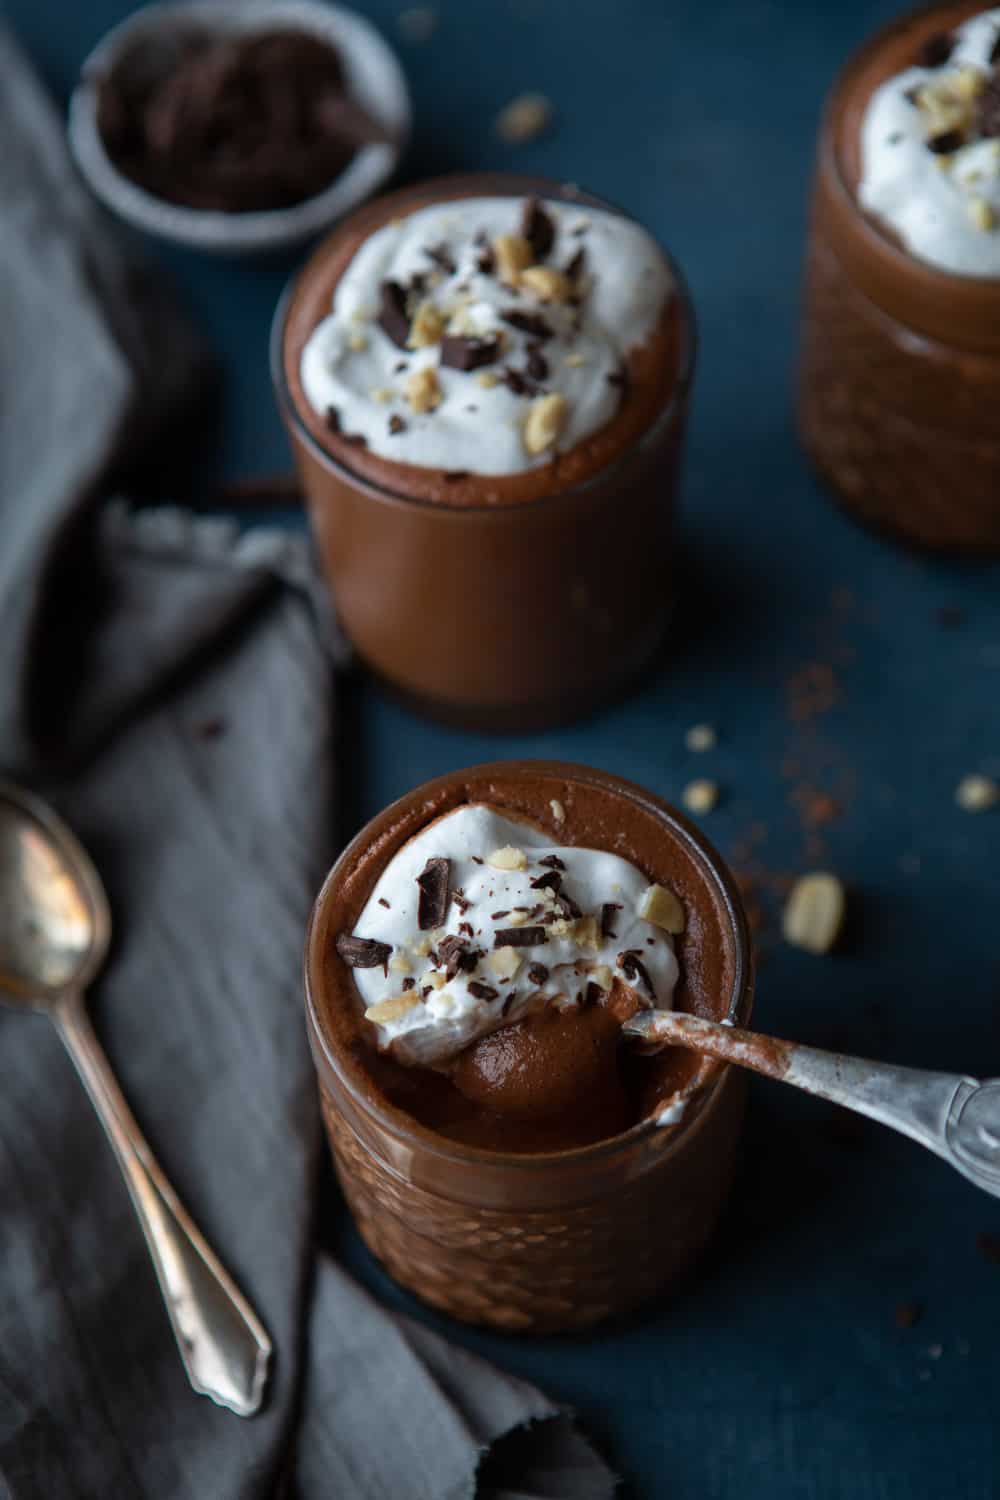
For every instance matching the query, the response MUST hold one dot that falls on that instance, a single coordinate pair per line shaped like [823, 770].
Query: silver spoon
[957, 1118]
[55, 926]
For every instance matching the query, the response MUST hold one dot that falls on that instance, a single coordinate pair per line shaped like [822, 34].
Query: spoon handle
[956, 1117]
[223, 1345]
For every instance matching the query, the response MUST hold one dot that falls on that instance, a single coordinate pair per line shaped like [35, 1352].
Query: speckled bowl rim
[520, 183]
[371, 66]
[645, 1131]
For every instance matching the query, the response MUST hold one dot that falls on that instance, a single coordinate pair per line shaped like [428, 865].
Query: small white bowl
[374, 77]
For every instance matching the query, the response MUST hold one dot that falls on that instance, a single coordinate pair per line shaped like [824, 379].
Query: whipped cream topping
[452, 326]
[521, 923]
[930, 150]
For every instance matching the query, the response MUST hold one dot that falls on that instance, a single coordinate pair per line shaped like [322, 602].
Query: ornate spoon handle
[222, 1343]
[956, 1117]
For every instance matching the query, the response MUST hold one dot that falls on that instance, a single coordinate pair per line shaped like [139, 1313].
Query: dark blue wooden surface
[780, 1371]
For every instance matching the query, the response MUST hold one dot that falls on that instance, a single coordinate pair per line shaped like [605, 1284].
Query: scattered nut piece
[523, 119]
[392, 1009]
[701, 737]
[661, 906]
[513, 255]
[977, 793]
[982, 214]
[547, 283]
[382, 393]
[515, 919]
[575, 361]
[561, 928]
[967, 83]
[508, 858]
[426, 328]
[545, 421]
[358, 342]
[504, 962]
[587, 933]
[814, 913]
[436, 980]
[360, 315]
[557, 810]
[399, 965]
[422, 947]
[603, 976]
[423, 389]
[700, 796]
[487, 379]
[441, 1003]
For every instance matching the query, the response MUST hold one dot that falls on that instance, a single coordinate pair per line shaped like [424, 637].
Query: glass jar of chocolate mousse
[471, 958]
[485, 380]
[900, 375]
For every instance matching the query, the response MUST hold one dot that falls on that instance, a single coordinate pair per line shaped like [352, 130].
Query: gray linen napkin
[170, 686]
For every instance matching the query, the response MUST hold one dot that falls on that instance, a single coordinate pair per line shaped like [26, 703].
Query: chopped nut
[392, 1009]
[588, 933]
[504, 962]
[575, 361]
[436, 980]
[700, 737]
[487, 379]
[814, 913]
[982, 214]
[557, 810]
[977, 793]
[423, 389]
[440, 1003]
[967, 83]
[382, 394]
[661, 906]
[700, 796]
[523, 119]
[513, 255]
[508, 858]
[358, 342]
[603, 976]
[547, 283]
[426, 328]
[516, 918]
[545, 421]
[422, 947]
[400, 965]
[562, 927]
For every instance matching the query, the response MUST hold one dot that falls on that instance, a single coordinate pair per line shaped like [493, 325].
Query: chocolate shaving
[507, 1004]
[594, 994]
[566, 906]
[608, 916]
[333, 419]
[457, 958]
[476, 859]
[432, 908]
[496, 915]
[392, 315]
[363, 953]
[461, 351]
[538, 973]
[537, 228]
[399, 367]
[409, 983]
[519, 937]
[536, 364]
[552, 862]
[945, 143]
[426, 990]
[383, 902]
[461, 901]
[550, 881]
[482, 991]
[576, 264]
[936, 50]
[634, 970]
[527, 322]
[466, 927]
[441, 256]
[486, 261]
[516, 382]
[396, 424]
[988, 108]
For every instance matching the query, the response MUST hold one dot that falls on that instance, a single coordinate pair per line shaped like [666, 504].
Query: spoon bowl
[55, 924]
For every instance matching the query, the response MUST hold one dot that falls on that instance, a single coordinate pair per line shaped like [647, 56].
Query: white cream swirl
[927, 170]
[350, 365]
[555, 894]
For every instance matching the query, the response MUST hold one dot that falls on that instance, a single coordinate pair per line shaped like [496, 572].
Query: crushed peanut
[399, 964]
[982, 214]
[423, 389]
[814, 912]
[358, 342]
[382, 394]
[547, 283]
[391, 1009]
[436, 980]
[508, 858]
[545, 421]
[504, 962]
[977, 793]
[513, 255]
[523, 119]
[426, 328]
[557, 810]
[516, 919]
[587, 933]
[661, 906]
[603, 976]
[487, 379]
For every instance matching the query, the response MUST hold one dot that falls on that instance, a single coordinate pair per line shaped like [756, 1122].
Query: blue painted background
[780, 1371]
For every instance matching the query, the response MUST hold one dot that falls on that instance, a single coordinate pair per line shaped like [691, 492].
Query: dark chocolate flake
[537, 365]
[538, 973]
[461, 900]
[945, 142]
[409, 983]
[476, 859]
[550, 881]
[517, 383]
[392, 315]
[482, 991]
[363, 953]
[456, 957]
[537, 228]
[576, 264]
[552, 862]
[635, 970]
[566, 907]
[936, 50]
[527, 322]
[608, 916]
[594, 994]
[442, 258]
[987, 121]
[519, 937]
[507, 1003]
[461, 351]
[486, 261]
[383, 902]
[396, 424]
[496, 915]
[433, 880]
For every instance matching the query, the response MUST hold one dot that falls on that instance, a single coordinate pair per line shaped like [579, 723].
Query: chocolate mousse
[901, 337]
[484, 378]
[471, 961]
